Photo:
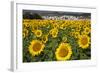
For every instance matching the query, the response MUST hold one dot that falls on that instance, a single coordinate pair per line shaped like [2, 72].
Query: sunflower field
[56, 40]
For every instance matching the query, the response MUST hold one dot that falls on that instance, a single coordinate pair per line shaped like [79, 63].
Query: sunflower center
[38, 33]
[84, 40]
[37, 46]
[87, 30]
[54, 33]
[63, 52]
[44, 38]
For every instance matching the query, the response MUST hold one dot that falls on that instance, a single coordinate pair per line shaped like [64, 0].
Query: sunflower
[44, 38]
[55, 25]
[63, 26]
[76, 34]
[26, 24]
[36, 47]
[87, 30]
[25, 33]
[38, 33]
[54, 32]
[64, 39]
[34, 27]
[84, 41]
[63, 52]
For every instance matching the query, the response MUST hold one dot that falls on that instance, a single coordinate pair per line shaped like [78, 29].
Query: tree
[29, 15]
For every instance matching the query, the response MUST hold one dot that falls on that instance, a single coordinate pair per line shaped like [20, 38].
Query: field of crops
[56, 40]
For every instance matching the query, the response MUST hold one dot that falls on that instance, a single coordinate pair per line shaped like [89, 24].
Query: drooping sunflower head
[38, 33]
[84, 41]
[36, 47]
[63, 52]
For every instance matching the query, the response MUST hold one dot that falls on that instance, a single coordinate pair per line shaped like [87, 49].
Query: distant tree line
[31, 16]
